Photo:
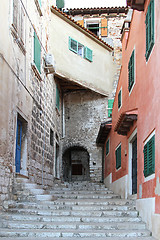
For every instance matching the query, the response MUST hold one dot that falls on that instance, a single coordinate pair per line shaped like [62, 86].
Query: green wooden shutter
[149, 29]
[73, 45]
[60, 3]
[118, 157]
[119, 98]
[57, 97]
[37, 52]
[110, 106]
[88, 54]
[107, 147]
[40, 4]
[131, 71]
[149, 157]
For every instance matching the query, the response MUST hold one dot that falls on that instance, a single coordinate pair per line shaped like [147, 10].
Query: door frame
[130, 141]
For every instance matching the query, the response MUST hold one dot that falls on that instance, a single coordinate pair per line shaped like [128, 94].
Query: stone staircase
[70, 212]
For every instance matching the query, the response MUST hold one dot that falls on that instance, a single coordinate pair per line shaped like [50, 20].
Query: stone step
[71, 225]
[85, 196]
[67, 192]
[94, 202]
[76, 238]
[72, 212]
[72, 233]
[103, 219]
[28, 205]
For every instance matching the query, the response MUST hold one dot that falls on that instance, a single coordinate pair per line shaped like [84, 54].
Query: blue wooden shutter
[73, 45]
[88, 54]
[57, 97]
[37, 52]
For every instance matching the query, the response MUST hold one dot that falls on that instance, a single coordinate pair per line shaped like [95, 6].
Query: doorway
[18, 145]
[76, 164]
[133, 163]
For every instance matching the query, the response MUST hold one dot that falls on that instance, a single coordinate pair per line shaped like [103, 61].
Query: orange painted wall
[145, 97]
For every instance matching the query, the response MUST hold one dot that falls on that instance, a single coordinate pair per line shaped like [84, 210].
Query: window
[149, 29]
[97, 26]
[51, 137]
[57, 98]
[80, 49]
[107, 147]
[18, 19]
[119, 99]
[110, 106]
[118, 156]
[37, 52]
[149, 157]
[131, 71]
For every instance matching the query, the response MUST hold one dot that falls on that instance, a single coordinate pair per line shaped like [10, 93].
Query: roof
[136, 4]
[83, 29]
[104, 130]
[125, 121]
[91, 11]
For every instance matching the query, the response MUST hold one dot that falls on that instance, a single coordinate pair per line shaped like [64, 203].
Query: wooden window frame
[107, 147]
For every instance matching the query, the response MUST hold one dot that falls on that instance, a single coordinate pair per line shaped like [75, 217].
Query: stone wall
[84, 111]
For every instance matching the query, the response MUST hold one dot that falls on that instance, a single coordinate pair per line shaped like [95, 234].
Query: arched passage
[76, 164]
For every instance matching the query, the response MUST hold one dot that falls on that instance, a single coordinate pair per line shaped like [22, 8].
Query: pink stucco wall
[145, 97]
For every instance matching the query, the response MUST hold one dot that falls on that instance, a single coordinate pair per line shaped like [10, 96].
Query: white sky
[94, 3]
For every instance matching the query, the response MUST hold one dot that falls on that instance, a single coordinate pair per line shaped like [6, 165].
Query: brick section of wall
[84, 111]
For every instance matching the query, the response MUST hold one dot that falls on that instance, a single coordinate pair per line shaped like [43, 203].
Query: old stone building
[54, 87]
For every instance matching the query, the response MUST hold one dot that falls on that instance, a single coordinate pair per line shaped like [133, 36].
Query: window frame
[149, 155]
[118, 161]
[150, 31]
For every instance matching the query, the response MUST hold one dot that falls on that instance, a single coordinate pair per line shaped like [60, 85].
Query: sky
[94, 3]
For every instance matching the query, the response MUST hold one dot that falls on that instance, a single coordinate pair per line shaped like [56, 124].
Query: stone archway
[76, 164]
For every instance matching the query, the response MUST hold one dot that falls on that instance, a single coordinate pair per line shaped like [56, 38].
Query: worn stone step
[72, 233]
[100, 192]
[71, 225]
[75, 212]
[77, 238]
[100, 202]
[85, 196]
[32, 205]
[41, 218]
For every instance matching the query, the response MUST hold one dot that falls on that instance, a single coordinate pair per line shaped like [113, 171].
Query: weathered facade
[131, 140]
[47, 106]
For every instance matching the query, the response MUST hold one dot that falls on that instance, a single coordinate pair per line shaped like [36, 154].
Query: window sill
[17, 39]
[38, 8]
[150, 177]
[36, 72]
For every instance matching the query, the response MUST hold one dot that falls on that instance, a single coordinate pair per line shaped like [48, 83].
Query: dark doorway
[134, 166]
[18, 145]
[76, 164]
